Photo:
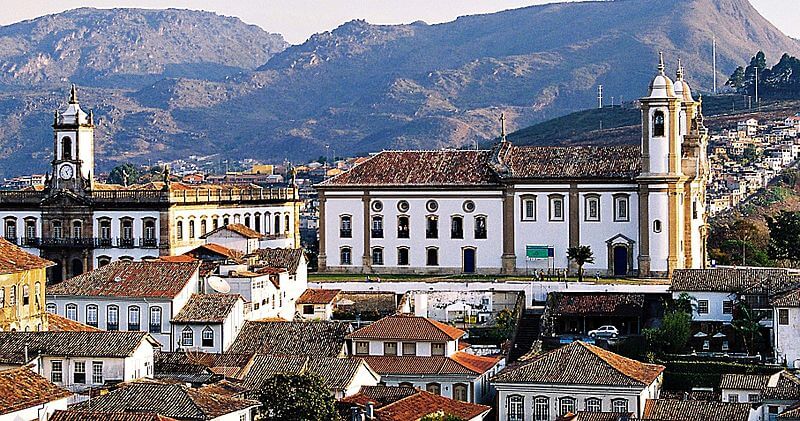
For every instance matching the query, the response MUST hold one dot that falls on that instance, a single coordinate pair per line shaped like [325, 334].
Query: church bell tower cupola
[661, 137]
[73, 136]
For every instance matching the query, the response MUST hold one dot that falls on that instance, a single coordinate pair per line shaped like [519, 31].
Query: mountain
[360, 87]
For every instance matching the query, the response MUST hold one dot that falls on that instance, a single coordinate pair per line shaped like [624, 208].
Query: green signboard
[538, 252]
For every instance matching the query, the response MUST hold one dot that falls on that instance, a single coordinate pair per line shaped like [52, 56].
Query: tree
[746, 323]
[125, 174]
[736, 80]
[293, 397]
[784, 232]
[441, 416]
[504, 325]
[673, 334]
[581, 255]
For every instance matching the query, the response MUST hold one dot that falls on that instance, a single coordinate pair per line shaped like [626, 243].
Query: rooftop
[56, 323]
[274, 337]
[111, 344]
[157, 279]
[403, 404]
[570, 162]
[458, 363]
[207, 308]
[14, 259]
[238, 229]
[680, 410]
[732, 280]
[21, 388]
[406, 327]
[590, 304]
[318, 296]
[285, 258]
[88, 415]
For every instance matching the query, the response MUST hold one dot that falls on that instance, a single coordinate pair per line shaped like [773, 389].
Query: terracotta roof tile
[680, 410]
[216, 249]
[744, 381]
[787, 299]
[582, 363]
[21, 388]
[207, 308]
[156, 279]
[458, 363]
[424, 403]
[14, 259]
[56, 323]
[224, 387]
[73, 344]
[235, 228]
[285, 258]
[277, 337]
[476, 363]
[76, 415]
[598, 416]
[406, 327]
[732, 280]
[318, 296]
[570, 162]
[337, 373]
[585, 304]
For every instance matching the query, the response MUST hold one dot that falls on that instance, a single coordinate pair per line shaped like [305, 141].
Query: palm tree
[580, 255]
[747, 323]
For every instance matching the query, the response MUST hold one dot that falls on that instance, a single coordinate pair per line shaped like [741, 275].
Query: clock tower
[73, 144]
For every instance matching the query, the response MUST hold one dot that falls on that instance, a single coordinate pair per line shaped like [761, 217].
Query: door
[469, 260]
[620, 261]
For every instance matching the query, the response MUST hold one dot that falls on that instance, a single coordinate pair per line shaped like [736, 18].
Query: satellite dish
[218, 284]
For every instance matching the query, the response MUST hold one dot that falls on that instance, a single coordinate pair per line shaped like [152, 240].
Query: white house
[420, 352]
[512, 208]
[786, 332]
[25, 395]
[209, 322]
[771, 394]
[576, 377]
[128, 296]
[234, 236]
[317, 304]
[80, 360]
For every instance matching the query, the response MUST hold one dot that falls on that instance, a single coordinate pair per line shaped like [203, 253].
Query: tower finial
[679, 72]
[73, 95]
[502, 127]
[661, 62]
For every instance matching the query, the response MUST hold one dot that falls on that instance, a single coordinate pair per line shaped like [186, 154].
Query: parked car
[607, 331]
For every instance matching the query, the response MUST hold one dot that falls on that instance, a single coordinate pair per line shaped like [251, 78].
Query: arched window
[515, 408]
[286, 223]
[72, 312]
[247, 221]
[187, 336]
[377, 256]
[66, 148]
[377, 226]
[657, 226]
[565, 405]
[26, 295]
[432, 226]
[226, 220]
[77, 229]
[155, 320]
[257, 222]
[208, 337]
[619, 405]
[134, 319]
[105, 231]
[112, 317]
[191, 229]
[345, 226]
[149, 229]
[434, 388]
[91, 315]
[592, 208]
[480, 227]
[594, 405]
[345, 256]
[556, 207]
[203, 227]
[402, 226]
[237, 218]
[179, 230]
[402, 256]
[461, 392]
[457, 227]
[277, 225]
[658, 124]
[11, 230]
[58, 231]
[541, 408]
[432, 256]
[50, 307]
[214, 222]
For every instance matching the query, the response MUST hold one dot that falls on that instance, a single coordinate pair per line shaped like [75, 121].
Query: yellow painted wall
[15, 314]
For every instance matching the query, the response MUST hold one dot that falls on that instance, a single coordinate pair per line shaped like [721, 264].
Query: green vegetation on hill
[780, 81]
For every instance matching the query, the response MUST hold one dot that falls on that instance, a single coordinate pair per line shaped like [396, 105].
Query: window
[179, 230]
[460, 392]
[155, 319]
[726, 346]
[51, 308]
[566, 405]
[77, 229]
[127, 229]
[377, 226]
[529, 208]
[390, 348]
[26, 295]
[432, 227]
[247, 221]
[79, 373]
[345, 256]
[207, 337]
[592, 210]
[187, 336]
[619, 405]
[658, 124]
[733, 398]
[621, 213]
[91, 315]
[694, 209]
[405, 384]
[727, 307]
[377, 256]
[30, 229]
[409, 348]
[437, 348]
[432, 256]
[541, 408]
[402, 226]
[480, 227]
[134, 320]
[457, 227]
[242, 417]
[594, 405]
[286, 223]
[702, 306]
[12, 296]
[58, 231]
[783, 316]
[150, 229]
[345, 226]
[71, 312]
[105, 232]
[57, 371]
[706, 345]
[362, 348]
[402, 256]
[753, 397]
[308, 309]
[516, 408]
[556, 208]
[434, 388]
[112, 320]
[11, 230]
[432, 206]
[657, 226]
[191, 229]
[97, 372]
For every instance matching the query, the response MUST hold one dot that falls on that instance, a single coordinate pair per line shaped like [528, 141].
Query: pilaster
[322, 258]
[509, 258]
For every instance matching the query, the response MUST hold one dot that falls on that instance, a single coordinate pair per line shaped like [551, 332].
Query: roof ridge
[601, 354]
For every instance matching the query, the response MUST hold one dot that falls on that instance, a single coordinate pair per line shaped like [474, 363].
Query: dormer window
[658, 124]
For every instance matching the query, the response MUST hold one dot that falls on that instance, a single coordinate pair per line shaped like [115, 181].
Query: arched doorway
[76, 266]
[620, 260]
[468, 260]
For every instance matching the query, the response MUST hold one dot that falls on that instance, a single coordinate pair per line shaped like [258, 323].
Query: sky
[296, 20]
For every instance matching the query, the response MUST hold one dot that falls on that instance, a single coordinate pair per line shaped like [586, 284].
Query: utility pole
[714, 60]
[600, 96]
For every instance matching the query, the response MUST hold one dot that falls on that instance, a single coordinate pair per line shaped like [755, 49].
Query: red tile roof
[76, 415]
[458, 363]
[407, 327]
[286, 258]
[156, 279]
[422, 403]
[56, 323]
[14, 259]
[318, 296]
[214, 248]
[680, 410]
[787, 299]
[21, 388]
[207, 308]
[590, 304]
[570, 162]
[235, 228]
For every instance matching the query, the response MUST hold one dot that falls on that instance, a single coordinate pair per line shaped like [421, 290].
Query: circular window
[377, 206]
[402, 206]
[468, 206]
[432, 206]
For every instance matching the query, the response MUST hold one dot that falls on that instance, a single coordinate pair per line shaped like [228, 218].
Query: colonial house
[771, 394]
[279, 337]
[209, 322]
[128, 296]
[420, 352]
[786, 332]
[89, 415]
[235, 236]
[80, 223]
[394, 403]
[575, 377]
[317, 304]
[22, 289]
[81, 360]
[514, 208]
[25, 395]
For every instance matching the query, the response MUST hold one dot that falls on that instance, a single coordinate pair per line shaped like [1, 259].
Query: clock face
[65, 172]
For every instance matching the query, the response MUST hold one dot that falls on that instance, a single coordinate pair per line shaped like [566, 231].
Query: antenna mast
[714, 60]
[600, 96]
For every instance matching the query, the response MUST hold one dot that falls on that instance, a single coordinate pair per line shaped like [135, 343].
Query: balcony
[104, 242]
[377, 233]
[68, 242]
[125, 243]
[148, 242]
[345, 233]
[134, 327]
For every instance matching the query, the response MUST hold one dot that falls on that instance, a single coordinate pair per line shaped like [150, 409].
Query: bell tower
[73, 146]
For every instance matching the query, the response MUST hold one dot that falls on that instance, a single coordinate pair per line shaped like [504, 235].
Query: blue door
[469, 260]
[620, 261]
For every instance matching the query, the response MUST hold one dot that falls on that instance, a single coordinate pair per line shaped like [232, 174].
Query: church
[80, 223]
[517, 209]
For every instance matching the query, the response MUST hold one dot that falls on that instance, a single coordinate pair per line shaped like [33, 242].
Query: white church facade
[640, 208]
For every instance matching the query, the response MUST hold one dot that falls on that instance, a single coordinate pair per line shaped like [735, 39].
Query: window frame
[134, 312]
[567, 402]
[434, 388]
[461, 387]
[71, 307]
[407, 350]
[206, 342]
[456, 227]
[112, 309]
[403, 226]
[407, 261]
[783, 316]
[615, 407]
[481, 230]
[97, 375]
[659, 123]
[432, 227]
[525, 216]
[552, 201]
[588, 200]
[541, 408]
[92, 309]
[515, 407]
[187, 336]
[593, 404]
[702, 307]
[349, 260]
[57, 376]
[361, 347]
[432, 261]
[438, 345]
[79, 368]
[345, 226]
[377, 252]
[620, 199]
[387, 348]
[150, 325]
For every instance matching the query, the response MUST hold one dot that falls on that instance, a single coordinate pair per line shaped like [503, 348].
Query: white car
[607, 331]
